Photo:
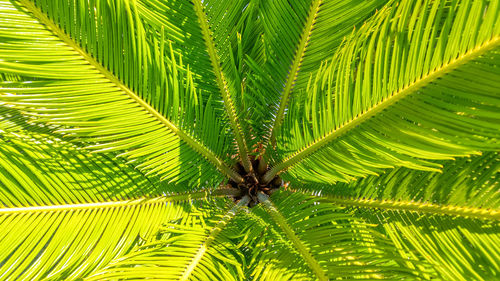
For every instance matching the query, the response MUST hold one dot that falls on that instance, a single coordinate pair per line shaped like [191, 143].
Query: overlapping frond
[459, 248]
[197, 247]
[213, 37]
[326, 24]
[257, 239]
[76, 82]
[65, 213]
[410, 85]
[11, 120]
[38, 170]
[466, 187]
[318, 240]
[297, 37]
[219, 13]
[449, 219]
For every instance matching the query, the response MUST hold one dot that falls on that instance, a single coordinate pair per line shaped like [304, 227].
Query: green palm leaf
[318, 19]
[382, 119]
[50, 188]
[190, 249]
[53, 55]
[249, 140]
[471, 183]
[332, 242]
[448, 219]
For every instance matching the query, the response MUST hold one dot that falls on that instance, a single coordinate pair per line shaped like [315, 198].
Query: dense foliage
[249, 139]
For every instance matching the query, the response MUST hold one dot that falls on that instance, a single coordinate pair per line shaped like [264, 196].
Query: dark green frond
[296, 36]
[211, 37]
[321, 32]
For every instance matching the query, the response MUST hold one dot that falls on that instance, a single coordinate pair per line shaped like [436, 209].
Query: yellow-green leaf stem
[223, 87]
[419, 207]
[123, 203]
[379, 107]
[294, 70]
[213, 233]
[301, 248]
[197, 146]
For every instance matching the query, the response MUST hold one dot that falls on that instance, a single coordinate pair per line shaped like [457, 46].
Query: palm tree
[249, 140]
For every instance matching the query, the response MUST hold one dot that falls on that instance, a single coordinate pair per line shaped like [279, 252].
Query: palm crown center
[253, 182]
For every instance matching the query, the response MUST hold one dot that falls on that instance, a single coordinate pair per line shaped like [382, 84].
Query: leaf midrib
[289, 232]
[122, 203]
[223, 86]
[82, 206]
[292, 75]
[412, 206]
[211, 237]
[197, 146]
[303, 153]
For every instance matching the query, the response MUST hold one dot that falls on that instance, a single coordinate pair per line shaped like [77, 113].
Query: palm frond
[223, 15]
[65, 213]
[40, 170]
[197, 247]
[55, 68]
[324, 27]
[213, 37]
[257, 239]
[458, 248]
[399, 93]
[321, 241]
[466, 187]
[449, 219]
[297, 37]
[224, 29]
[11, 120]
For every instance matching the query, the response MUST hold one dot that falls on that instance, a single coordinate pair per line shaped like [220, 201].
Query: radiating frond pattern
[250, 140]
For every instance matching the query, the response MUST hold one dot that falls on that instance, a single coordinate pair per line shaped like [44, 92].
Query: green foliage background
[121, 122]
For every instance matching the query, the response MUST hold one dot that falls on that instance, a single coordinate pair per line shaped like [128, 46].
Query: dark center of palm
[253, 182]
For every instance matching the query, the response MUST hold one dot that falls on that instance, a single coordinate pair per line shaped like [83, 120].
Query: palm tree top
[249, 139]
